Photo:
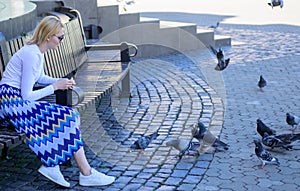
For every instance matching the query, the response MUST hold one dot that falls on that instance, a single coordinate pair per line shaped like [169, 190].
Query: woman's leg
[89, 176]
[82, 162]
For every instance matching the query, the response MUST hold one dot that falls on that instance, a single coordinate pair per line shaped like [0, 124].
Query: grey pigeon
[214, 26]
[263, 155]
[143, 142]
[273, 141]
[219, 53]
[292, 120]
[130, 2]
[275, 3]
[184, 146]
[262, 128]
[261, 82]
[200, 132]
[222, 62]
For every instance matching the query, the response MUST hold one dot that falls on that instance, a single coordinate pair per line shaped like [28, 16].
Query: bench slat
[14, 138]
[6, 142]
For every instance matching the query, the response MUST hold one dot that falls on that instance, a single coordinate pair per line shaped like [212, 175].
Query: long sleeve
[24, 69]
[32, 67]
[44, 79]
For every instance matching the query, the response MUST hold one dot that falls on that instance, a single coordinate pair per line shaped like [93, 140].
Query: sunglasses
[60, 38]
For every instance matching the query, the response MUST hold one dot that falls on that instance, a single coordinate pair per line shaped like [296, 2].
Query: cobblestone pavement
[170, 93]
[272, 51]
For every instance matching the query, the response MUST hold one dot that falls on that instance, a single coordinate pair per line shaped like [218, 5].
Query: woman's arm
[31, 69]
[46, 80]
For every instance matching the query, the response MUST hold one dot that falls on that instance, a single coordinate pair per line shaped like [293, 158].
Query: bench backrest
[3, 54]
[69, 56]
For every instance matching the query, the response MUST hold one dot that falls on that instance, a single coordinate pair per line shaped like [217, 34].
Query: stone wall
[87, 8]
[19, 20]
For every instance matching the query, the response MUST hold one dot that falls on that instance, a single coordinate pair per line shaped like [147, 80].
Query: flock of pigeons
[271, 140]
[199, 132]
[203, 136]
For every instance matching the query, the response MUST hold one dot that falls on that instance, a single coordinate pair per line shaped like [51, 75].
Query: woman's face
[55, 40]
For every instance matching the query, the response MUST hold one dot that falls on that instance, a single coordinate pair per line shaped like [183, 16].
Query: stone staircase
[154, 36]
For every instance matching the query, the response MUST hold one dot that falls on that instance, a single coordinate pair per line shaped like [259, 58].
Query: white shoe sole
[98, 184]
[95, 179]
[67, 184]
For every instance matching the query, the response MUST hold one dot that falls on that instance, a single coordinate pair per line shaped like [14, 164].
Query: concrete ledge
[149, 20]
[221, 40]
[15, 20]
[129, 19]
[108, 19]
[206, 36]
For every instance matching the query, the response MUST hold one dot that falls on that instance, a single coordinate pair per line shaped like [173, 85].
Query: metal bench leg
[5, 153]
[125, 91]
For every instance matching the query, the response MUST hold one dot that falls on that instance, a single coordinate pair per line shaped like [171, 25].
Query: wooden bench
[66, 61]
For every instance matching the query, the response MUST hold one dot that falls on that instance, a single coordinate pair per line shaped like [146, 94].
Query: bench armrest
[127, 50]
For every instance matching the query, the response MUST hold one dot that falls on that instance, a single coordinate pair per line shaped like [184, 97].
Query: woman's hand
[64, 84]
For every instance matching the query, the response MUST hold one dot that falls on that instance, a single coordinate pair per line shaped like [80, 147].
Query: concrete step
[149, 20]
[206, 36]
[113, 23]
[221, 40]
[157, 37]
[129, 19]
[189, 27]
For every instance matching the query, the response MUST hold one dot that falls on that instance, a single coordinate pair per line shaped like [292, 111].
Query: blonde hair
[49, 26]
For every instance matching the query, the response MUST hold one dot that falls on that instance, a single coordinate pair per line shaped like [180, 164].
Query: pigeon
[262, 82]
[198, 130]
[292, 120]
[273, 141]
[275, 3]
[184, 146]
[222, 62]
[143, 142]
[130, 2]
[222, 65]
[262, 128]
[263, 155]
[214, 26]
[201, 133]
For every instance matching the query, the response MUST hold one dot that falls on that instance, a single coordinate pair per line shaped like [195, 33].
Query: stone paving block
[191, 179]
[166, 188]
[179, 173]
[173, 181]
[153, 185]
[186, 187]
[130, 187]
[183, 165]
[205, 187]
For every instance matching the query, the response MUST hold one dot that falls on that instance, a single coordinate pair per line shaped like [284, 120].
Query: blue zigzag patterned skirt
[52, 131]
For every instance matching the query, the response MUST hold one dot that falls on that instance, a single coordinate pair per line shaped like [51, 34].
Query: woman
[52, 131]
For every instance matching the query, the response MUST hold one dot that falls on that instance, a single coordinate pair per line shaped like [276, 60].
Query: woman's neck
[43, 47]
